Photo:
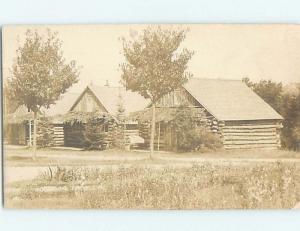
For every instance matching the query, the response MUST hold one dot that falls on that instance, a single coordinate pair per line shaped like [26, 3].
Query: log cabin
[19, 124]
[106, 100]
[232, 110]
[101, 99]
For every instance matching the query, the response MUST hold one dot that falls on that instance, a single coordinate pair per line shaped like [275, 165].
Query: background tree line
[286, 101]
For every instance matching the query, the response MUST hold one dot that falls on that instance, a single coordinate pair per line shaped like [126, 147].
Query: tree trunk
[152, 131]
[30, 137]
[158, 136]
[34, 134]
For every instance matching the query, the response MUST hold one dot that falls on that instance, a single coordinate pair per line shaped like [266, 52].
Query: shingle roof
[230, 100]
[61, 106]
[109, 97]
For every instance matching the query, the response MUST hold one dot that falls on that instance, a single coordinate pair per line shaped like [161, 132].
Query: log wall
[250, 134]
[74, 134]
[58, 136]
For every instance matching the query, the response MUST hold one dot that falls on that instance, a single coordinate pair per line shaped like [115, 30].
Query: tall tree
[40, 74]
[155, 66]
[121, 127]
[120, 108]
[286, 103]
[268, 90]
[290, 110]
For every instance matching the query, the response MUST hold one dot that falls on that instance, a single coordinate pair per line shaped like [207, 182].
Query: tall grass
[205, 186]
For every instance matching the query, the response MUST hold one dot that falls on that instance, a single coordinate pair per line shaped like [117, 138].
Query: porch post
[158, 137]
[30, 138]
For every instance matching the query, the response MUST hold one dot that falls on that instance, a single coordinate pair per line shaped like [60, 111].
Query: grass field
[118, 179]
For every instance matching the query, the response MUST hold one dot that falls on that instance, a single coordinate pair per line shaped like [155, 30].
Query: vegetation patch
[201, 186]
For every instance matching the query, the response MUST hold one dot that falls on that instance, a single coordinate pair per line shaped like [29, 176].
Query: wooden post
[34, 135]
[158, 137]
[30, 138]
[152, 131]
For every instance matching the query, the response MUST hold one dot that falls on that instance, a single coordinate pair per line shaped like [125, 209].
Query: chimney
[106, 84]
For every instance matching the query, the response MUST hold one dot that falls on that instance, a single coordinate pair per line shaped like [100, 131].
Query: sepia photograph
[151, 116]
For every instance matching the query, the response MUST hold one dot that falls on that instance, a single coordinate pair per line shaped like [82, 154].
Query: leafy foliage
[9, 105]
[287, 104]
[270, 91]
[40, 74]
[83, 117]
[290, 110]
[190, 134]
[121, 139]
[153, 68]
[93, 125]
[120, 109]
[94, 134]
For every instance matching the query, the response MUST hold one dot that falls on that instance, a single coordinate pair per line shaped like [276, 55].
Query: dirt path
[12, 174]
[26, 170]
[18, 173]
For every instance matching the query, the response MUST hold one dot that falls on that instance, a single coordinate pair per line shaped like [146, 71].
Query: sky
[221, 51]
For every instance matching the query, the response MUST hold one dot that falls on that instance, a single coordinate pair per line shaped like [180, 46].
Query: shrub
[94, 134]
[191, 134]
[121, 139]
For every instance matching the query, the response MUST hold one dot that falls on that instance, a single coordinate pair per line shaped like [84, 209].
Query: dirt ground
[18, 163]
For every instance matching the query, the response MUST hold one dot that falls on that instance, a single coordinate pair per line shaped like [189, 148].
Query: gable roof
[61, 106]
[109, 98]
[230, 100]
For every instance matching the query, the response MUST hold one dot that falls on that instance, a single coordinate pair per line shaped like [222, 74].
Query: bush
[191, 134]
[121, 139]
[94, 134]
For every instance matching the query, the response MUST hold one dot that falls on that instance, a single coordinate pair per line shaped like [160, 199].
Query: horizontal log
[58, 131]
[252, 126]
[273, 146]
[55, 135]
[250, 137]
[230, 130]
[259, 134]
[244, 142]
[58, 128]
[58, 139]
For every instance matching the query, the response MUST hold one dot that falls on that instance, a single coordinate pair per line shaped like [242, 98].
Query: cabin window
[105, 127]
[131, 126]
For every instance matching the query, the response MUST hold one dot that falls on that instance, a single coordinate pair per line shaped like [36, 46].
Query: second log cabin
[232, 110]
